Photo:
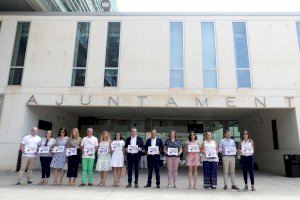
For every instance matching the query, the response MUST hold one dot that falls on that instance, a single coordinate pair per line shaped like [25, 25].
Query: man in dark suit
[153, 159]
[133, 159]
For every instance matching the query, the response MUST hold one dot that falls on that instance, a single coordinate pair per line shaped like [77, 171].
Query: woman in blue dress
[59, 159]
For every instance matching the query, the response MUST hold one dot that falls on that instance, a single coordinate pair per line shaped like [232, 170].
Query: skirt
[103, 163]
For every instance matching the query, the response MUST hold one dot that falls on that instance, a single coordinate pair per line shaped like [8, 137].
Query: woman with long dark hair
[246, 149]
[117, 159]
[59, 158]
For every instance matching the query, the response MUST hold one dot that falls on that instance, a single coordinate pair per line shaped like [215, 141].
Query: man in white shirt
[29, 147]
[89, 145]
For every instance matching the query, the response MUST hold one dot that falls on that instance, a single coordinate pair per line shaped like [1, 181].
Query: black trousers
[133, 162]
[73, 164]
[247, 163]
[153, 162]
[45, 164]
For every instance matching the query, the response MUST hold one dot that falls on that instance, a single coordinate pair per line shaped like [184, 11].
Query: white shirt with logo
[31, 141]
[89, 142]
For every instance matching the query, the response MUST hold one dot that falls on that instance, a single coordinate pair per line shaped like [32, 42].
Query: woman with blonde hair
[73, 160]
[209, 149]
[104, 157]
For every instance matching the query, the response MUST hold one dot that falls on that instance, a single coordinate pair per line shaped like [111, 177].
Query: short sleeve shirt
[89, 142]
[31, 141]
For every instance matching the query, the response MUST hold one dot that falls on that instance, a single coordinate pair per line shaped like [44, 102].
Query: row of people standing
[172, 148]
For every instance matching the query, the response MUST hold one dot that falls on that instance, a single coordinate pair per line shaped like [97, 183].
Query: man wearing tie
[153, 158]
[133, 157]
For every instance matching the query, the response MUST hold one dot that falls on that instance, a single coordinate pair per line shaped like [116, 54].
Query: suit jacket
[159, 143]
[139, 142]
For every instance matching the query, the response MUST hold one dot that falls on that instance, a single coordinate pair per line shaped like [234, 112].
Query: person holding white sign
[104, 157]
[89, 145]
[28, 160]
[192, 158]
[228, 150]
[133, 146]
[73, 160]
[46, 157]
[59, 159]
[209, 149]
[246, 149]
[154, 147]
[173, 150]
[117, 158]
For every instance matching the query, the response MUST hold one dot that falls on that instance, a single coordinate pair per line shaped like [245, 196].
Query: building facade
[202, 72]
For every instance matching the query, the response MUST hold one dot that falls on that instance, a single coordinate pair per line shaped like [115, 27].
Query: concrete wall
[260, 127]
[17, 121]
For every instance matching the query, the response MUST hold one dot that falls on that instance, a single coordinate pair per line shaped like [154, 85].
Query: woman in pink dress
[192, 148]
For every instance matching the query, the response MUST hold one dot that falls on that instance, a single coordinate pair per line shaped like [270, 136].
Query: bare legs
[117, 176]
[58, 174]
[102, 178]
[193, 170]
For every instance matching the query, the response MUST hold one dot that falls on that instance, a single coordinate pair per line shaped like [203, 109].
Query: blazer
[139, 142]
[159, 143]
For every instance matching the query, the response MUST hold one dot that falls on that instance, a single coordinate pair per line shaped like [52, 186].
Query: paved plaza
[269, 186]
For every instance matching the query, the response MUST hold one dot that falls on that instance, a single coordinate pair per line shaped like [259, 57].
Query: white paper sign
[115, 145]
[247, 150]
[172, 151]
[71, 152]
[230, 151]
[30, 149]
[89, 150]
[103, 150]
[193, 148]
[58, 149]
[211, 152]
[44, 149]
[132, 148]
[153, 150]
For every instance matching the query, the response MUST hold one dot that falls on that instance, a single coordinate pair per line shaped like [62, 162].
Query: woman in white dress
[104, 157]
[117, 160]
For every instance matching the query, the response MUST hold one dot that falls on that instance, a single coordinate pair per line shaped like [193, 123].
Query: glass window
[113, 44]
[19, 53]
[80, 53]
[81, 45]
[176, 80]
[111, 77]
[208, 45]
[208, 55]
[78, 77]
[112, 54]
[240, 45]
[20, 44]
[298, 33]
[241, 54]
[176, 54]
[209, 78]
[243, 78]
